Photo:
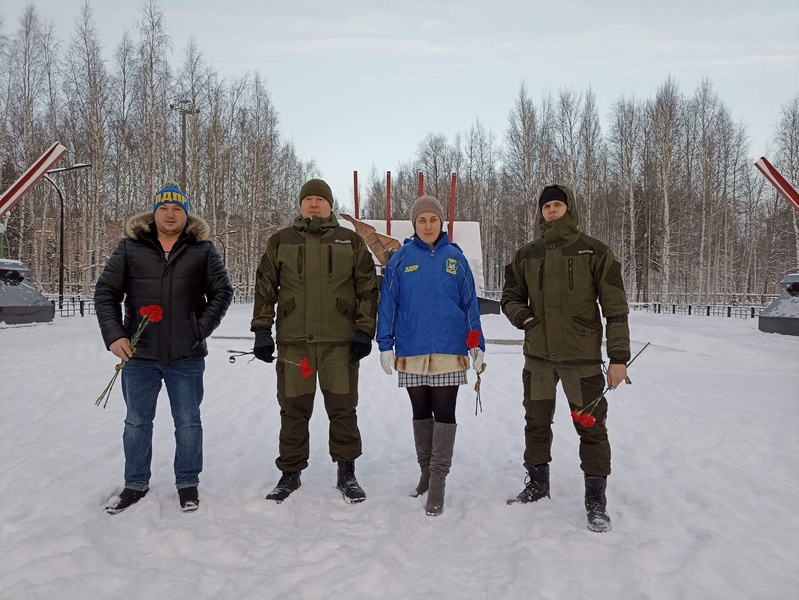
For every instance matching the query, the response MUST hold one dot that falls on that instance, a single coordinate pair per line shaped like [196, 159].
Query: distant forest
[668, 185]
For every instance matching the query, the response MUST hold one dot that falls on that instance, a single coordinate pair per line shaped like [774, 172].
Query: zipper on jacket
[168, 347]
[541, 276]
[571, 273]
[299, 263]
[330, 263]
[433, 306]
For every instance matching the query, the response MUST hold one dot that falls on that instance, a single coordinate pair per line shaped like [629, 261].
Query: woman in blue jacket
[428, 310]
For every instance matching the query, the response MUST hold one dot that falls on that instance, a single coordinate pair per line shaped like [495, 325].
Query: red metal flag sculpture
[778, 181]
[35, 172]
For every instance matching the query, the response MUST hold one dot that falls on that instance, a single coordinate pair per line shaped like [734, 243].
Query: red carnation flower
[473, 339]
[305, 369]
[153, 312]
[587, 420]
[576, 415]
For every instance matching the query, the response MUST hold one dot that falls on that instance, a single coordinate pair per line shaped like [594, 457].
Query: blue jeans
[141, 383]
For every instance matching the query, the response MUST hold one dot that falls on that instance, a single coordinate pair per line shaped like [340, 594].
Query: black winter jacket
[192, 287]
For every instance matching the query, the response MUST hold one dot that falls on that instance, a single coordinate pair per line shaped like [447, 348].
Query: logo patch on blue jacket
[452, 266]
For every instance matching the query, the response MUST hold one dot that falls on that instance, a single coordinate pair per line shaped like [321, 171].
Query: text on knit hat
[171, 195]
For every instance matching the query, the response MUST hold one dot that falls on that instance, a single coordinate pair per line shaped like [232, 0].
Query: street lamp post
[3, 225]
[61, 249]
[180, 106]
[224, 247]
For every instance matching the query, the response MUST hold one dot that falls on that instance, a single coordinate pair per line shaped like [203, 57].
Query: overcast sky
[361, 83]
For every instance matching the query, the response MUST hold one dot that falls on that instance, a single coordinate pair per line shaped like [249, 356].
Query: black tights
[434, 402]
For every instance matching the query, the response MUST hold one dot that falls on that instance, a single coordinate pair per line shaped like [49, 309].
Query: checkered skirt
[439, 380]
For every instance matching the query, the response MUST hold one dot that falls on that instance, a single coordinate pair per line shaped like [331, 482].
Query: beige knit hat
[425, 204]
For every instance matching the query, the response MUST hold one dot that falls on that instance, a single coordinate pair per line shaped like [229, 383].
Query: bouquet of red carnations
[150, 314]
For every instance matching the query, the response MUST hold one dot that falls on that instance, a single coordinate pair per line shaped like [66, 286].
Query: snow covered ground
[703, 494]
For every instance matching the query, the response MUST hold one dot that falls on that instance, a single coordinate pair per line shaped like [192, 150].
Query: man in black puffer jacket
[166, 259]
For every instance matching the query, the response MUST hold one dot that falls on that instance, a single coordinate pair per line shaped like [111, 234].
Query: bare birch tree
[567, 138]
[521, 170]
[86, 83]
[590, 139]
[665, 123]
[28, 72]
[624, 144]
[153, 97]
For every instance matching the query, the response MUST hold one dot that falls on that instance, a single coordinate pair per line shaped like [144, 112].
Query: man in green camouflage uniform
[321, 276]
[553, 290]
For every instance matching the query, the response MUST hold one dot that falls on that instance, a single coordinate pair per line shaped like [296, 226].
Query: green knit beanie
[316, 187]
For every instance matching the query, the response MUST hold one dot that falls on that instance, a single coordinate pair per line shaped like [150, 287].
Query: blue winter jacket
[428, 303]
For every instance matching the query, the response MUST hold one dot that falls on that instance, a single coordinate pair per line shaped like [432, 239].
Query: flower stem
[107, 391]
[139, 331]
[285, 360]
[592, 405]
[134, 340]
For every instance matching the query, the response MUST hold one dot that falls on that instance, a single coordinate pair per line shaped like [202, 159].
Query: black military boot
[596, 504]
[289, 482]
[126, 499]
[536, 485]
[346, 482]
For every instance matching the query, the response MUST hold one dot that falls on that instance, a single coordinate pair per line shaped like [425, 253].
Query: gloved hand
[387, 361]
[264, 348]
[477, 358]
[360, 346]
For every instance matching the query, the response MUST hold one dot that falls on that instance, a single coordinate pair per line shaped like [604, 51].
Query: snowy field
[703, 494]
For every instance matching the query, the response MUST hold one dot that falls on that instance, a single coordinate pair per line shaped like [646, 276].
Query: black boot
[347, 483]
[536, 485]
[289, 482]
[127, 498]
[189, 499]
[596, 504]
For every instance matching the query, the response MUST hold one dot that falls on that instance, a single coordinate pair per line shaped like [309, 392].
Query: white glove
[387, 361]
[477, 358]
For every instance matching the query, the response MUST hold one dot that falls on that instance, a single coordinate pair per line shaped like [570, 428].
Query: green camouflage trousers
[582, 384]
[338, 381]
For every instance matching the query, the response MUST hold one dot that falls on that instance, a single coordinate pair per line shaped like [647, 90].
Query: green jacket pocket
[531, 324]
[586, 326]
[285, 308]
[345, 308]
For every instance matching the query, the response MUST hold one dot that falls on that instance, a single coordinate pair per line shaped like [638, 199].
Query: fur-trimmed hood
[143, 222]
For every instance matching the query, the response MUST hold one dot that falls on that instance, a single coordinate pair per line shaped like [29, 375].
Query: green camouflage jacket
[561, 280]
[321, 276]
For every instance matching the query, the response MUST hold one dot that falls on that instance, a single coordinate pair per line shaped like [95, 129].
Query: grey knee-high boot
[423, 437]
[440, 462]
